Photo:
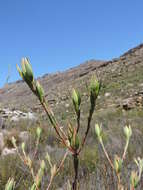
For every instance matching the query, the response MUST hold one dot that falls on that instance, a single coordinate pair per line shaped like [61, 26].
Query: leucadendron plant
[117, 163]
[69, 138]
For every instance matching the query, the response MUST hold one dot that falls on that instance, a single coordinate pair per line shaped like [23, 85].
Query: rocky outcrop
[135, 100]
[14, 115]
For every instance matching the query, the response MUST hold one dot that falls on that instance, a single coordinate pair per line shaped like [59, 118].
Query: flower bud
[94, 89]
[14, 141]
[20, 72]
[10, 184]
[33, 186]
[53, 170]
[98, 130]
[128, 131]
[139, 163]
[40, 174]
[117, 164]
[23, 147]
[43, 165]
[76, 100]
[69, 187]
[134, 179]
[76, 142]
[27, 70]
[38, 131]
[23, 66]
[39, 91]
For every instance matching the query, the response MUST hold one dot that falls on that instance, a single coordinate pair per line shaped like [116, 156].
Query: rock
[141, 85]
[16, 115]
[67, 105]
[6, 151]
[128, 104]
[107, 94]
[15, 118]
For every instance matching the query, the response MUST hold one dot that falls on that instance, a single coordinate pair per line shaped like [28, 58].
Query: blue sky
[60, 34]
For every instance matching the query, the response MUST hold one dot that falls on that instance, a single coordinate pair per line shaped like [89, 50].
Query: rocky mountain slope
[122, 77]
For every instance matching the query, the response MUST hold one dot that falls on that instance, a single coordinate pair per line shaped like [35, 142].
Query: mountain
[122, 77]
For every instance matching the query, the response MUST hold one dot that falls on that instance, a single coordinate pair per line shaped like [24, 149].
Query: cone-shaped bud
[53, 170]
[23, 66]
[23, 147]
[33, 187]
[20, 72]
[27, 70]
[68, 142]
[76, 99]
[128, 131]
[75, 140]
[94, 89]
[43, 165]
[139, 163]
[40, 174]
[10, 184]
[14, 141]
[134, 179]
[69, 187]
[38, 132]
[117, 164]
[49, 159]
[39, 91]
[98, 130]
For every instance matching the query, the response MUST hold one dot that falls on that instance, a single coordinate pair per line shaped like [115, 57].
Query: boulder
[6, 151]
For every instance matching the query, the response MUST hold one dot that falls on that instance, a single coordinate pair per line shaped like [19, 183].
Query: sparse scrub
[69, 139]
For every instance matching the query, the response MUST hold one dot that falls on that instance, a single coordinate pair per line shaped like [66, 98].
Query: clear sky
[59, 34]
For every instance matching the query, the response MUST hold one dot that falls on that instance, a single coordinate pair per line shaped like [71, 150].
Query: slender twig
[58, 169]
[106, 154]
[50, 183]
[88, 127]
[62, 162]
[57, 128]
[78, 121]
[125, 149]
[36, 149]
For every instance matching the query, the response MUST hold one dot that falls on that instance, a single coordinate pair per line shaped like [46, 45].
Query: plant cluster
[70, 138]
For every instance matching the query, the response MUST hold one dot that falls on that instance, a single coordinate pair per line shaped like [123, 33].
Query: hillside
[120, 103]
[122, 77]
